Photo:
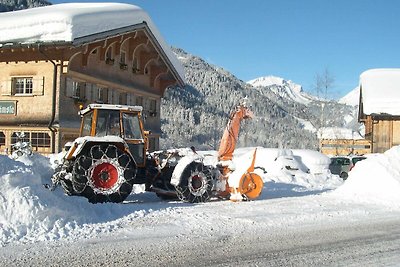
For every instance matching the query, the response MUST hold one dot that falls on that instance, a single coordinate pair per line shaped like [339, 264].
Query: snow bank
[30, 212]
[375, 180]
[294, 170]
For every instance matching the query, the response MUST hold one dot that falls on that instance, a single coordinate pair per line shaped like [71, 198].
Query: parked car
[342, 165]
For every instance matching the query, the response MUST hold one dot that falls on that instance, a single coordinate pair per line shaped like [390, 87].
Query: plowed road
[375, 243]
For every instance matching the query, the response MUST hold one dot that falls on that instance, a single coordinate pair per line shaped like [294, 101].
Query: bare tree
[323, 85]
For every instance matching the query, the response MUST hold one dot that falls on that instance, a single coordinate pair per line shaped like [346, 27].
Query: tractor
[110, 156]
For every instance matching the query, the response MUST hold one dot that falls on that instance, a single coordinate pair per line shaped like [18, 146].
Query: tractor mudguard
[181, 166]
[80, 143]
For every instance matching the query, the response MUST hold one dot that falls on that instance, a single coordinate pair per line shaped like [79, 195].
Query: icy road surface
[273, 232]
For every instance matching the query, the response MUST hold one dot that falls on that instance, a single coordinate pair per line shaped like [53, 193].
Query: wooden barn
[58, 58]
[379, 108]
[334, 141]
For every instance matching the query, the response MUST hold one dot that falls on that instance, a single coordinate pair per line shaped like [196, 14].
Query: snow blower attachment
[111, 155]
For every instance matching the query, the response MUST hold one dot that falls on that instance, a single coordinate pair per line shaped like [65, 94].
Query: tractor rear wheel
[196, 183]
[103, 173]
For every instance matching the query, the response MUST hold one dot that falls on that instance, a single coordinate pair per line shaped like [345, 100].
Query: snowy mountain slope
[286, 117]
[283, 88]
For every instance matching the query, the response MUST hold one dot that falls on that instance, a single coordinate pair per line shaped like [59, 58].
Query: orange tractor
[111, 155]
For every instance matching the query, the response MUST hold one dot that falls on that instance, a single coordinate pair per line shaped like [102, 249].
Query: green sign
[7, 107]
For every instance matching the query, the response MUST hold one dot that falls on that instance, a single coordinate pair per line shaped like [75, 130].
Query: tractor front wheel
[103, 173]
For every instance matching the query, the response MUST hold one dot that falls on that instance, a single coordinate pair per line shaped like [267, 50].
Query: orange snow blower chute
[250, 184]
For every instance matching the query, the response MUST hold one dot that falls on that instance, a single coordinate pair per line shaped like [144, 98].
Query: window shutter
[132, 99]
[6, 87]
[69, 87]
[88, 92]
[117, 97]
[38, 86]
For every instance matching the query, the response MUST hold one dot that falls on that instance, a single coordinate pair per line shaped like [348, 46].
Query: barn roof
[380, 92]
[77, 22]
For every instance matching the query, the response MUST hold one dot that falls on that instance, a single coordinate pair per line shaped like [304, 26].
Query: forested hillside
[11, 5]
[197, 114]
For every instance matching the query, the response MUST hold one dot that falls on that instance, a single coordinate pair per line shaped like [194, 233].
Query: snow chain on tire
[103, 173]
[196, 183]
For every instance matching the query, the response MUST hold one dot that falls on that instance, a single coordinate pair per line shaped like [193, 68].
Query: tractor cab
[101, 120]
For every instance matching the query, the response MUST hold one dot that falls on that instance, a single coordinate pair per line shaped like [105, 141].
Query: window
[109, 56]
[102, 95]
[107, 123]
[23, 137]
[131, 124]
[135, 66]
[87, 124]
[122, 61]
[20, 136]
[78, 90]
[153, 108]
[2, 139]
[40, 140]
[22, 85]
[139, 101]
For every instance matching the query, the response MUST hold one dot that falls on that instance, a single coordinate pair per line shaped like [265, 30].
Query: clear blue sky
[292, 39]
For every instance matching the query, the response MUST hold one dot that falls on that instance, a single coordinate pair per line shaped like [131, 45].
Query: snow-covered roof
[72, 22]
[352, 98]
[110, 107]
[380, 89]
[337, 133]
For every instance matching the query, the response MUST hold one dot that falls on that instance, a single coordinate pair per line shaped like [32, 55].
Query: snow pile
[30, 212]
[375, 180]
[295, 170]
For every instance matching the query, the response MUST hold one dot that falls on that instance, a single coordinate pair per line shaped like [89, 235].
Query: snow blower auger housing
[111, 155]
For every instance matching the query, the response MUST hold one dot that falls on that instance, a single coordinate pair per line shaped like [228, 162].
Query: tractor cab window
[131, 124]
[87, 124]
[108, 123]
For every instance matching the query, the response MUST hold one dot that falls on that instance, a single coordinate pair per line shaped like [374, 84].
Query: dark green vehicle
[342, 165]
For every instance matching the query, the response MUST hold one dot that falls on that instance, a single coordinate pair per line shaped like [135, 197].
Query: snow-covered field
[298, 190]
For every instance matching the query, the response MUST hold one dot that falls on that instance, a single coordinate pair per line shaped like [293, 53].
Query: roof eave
[119, 31]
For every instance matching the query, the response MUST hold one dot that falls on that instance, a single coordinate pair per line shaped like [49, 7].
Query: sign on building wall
[8, 107]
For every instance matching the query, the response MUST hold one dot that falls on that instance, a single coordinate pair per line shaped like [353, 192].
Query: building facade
[379, 108]
[44, 84]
